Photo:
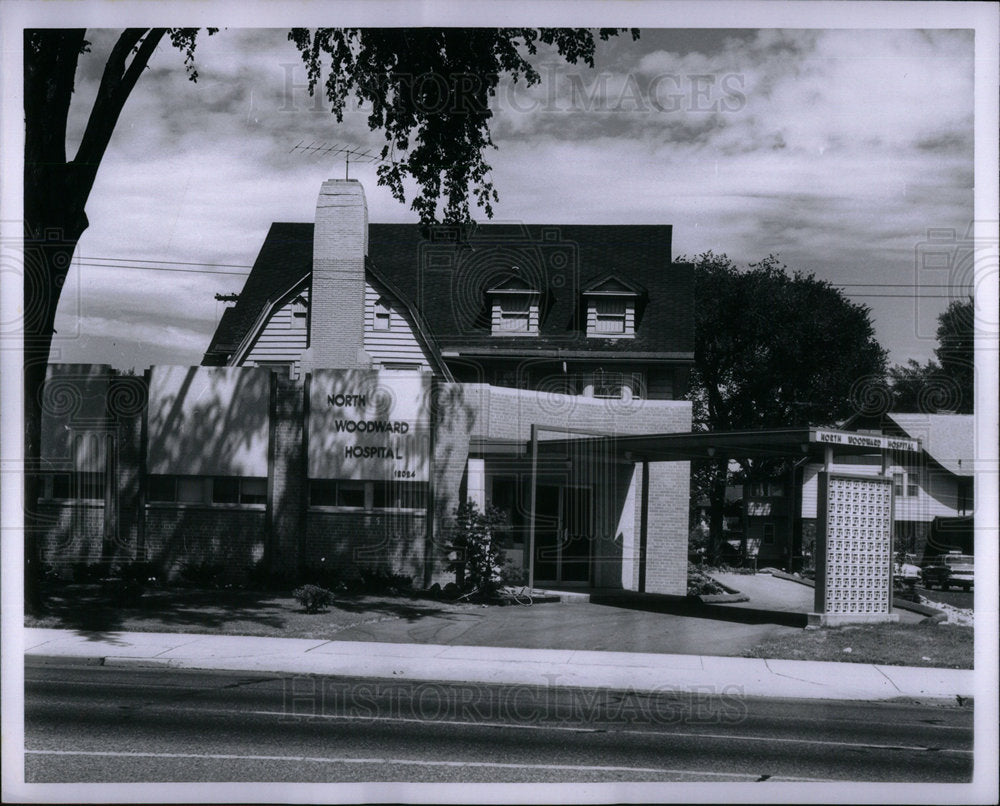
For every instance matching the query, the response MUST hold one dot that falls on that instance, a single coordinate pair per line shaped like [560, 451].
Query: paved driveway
[575, 626]
[770, 593]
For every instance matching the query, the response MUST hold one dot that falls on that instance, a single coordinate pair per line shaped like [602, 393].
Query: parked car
[905, 573]
[949, 570]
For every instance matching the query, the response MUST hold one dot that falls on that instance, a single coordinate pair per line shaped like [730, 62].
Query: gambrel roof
[443, 276]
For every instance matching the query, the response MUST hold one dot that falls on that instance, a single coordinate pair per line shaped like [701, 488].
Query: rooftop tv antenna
[350, 153]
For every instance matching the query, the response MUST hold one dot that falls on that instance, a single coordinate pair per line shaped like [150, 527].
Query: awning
[770, 442]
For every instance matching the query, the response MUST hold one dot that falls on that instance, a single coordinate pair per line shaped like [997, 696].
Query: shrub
[480, 553]
[86, 573]
[313, 598]
[203, 574]
[513, 575]
[700, 584]
[126, 582]
[382, 580]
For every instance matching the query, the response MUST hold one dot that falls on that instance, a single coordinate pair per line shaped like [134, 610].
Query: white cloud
[836, 148]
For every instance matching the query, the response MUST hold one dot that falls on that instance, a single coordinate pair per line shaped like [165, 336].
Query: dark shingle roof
[446, 282]
[284, 259]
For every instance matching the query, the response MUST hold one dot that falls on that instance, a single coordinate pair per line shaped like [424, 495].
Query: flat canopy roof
[768, 442]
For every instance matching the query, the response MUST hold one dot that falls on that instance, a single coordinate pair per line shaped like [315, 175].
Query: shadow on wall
[456, 411]
[209, 420]
[179, 536]
[88, 507]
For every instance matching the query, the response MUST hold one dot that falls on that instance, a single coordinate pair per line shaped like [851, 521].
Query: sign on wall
[865, 440]
[369, 425]
[854, 548]
[209, 421]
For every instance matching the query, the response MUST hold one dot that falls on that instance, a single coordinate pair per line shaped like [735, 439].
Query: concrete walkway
[782, 595]
[705, 675]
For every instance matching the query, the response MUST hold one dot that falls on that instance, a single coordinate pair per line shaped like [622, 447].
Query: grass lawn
[924, 644]
[228, 612]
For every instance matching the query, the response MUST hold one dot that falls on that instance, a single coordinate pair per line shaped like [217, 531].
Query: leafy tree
[429, 90]
[772, 349]
[908, 383]
[956, 350]
[948, 383]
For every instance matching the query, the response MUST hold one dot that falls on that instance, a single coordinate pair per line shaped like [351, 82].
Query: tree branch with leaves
[429, 89]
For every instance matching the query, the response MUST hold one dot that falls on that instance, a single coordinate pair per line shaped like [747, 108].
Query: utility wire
[174, 262]
[176, 266]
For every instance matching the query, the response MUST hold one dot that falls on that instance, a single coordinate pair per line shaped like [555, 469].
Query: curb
[808, 685]
[721, 598]
[902, 604]
[730, 595]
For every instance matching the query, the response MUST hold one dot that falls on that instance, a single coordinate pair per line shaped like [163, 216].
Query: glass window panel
[608, 384]
[253, 491]
[514, 312]
[400, 494]
[191, 489]
[351, 494]
[91, 485]
[610, 315]
[323, 492]
[383, 315]
[225, 490]
[162, 488]
[61, 484]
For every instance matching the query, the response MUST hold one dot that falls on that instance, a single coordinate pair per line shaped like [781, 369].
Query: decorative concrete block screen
[854, 549]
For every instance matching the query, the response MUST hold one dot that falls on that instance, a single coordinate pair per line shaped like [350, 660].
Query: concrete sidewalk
[750, 677]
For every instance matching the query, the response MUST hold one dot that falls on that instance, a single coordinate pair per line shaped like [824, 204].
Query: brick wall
[337, 306]
[287, 488]
[667, 528]
[239, 536]
[391, 541]
[74, 534]
[231, 536]
[127, 402]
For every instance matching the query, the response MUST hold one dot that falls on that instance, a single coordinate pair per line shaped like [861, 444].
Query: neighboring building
[932, 486]
[372, 377]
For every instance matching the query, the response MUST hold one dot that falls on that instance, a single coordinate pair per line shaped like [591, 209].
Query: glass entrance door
[574, 560]
[563, 533]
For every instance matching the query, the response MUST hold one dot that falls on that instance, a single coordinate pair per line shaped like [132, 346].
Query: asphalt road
[106, 724]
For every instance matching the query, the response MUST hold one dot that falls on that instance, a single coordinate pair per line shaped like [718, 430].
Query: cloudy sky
[839, 150]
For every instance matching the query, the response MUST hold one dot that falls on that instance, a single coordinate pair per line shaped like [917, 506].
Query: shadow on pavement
[91, 610]
[410, 611]
[695, 608]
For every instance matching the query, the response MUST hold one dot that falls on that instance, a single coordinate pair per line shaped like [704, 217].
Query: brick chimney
[337, 302]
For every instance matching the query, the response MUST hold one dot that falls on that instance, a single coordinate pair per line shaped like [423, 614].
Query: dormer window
[610, 315]
[514, 307]
[515, 314]
[610, 304]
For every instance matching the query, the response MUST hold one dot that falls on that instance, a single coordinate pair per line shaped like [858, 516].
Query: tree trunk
[45, 269]
[54, 220]
[717, 506]
[55, 195]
